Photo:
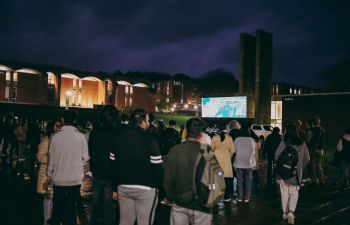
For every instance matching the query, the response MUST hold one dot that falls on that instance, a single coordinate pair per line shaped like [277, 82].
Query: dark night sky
[182, 36]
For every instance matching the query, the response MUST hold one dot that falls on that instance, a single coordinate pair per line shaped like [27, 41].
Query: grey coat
[304, 159]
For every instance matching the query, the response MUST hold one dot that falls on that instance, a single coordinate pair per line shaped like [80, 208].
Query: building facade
[41, 85]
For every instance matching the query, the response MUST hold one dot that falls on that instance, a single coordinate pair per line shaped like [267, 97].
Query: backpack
[287, 162]
[208, 178]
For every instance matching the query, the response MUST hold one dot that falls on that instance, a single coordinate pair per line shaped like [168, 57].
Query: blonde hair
[234, 124]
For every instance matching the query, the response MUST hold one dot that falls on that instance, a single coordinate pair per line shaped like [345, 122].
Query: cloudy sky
[175, 36]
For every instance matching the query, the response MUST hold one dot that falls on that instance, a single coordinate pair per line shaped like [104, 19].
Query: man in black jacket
[137, 171]
[100, 146]
[178, 179]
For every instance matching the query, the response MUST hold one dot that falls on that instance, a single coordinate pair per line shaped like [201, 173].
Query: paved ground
[19, 204]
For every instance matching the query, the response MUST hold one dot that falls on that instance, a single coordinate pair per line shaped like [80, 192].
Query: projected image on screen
[225, 107]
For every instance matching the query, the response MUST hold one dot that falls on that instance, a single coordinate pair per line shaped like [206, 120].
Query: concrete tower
[263, 77]
[247, 71]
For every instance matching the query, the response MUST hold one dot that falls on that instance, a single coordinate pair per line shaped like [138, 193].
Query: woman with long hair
[223, 148]
[244, 162]
[289, 187]
[42, 185]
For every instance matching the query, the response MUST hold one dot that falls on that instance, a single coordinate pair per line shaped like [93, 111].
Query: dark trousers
[256, 178]
[228, 187]
[7, 141]
[64, 205]
[103, 211]
[271, 175]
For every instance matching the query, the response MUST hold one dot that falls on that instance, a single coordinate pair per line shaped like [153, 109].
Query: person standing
[33, 138]
[8, 129]
[316, 153]
[46, 191]
[178, 180]
[136, 170]
[68, 151]
[21, 131]
[223, 148]
[244, 162]
[289, 188]
[169, 138]
[271, 144]
[344, 155]
[101, 137]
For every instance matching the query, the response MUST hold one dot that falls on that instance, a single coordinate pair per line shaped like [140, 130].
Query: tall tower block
[263, 77]
[247, 71]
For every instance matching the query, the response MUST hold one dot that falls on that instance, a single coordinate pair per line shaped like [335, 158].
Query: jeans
[137, 204]
[103, 211]
[289, 196]
[47, 207]
[64, 205]
[244, 177]
[184, 216]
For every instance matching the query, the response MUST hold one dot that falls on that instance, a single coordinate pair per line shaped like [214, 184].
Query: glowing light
[186, 106]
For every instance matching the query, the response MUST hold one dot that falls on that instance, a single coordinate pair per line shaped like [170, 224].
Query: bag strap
[198, 158]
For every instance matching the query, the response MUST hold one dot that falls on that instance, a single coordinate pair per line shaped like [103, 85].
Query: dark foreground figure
[20, 204]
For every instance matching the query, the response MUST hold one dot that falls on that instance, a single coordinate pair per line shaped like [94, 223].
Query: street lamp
[68, 94]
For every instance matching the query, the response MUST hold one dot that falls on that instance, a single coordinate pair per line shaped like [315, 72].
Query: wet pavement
[19, 203]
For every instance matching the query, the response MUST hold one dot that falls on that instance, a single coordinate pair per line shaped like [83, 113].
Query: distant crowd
[135, 162]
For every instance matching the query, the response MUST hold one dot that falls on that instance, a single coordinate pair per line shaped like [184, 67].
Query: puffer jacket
[42, 159]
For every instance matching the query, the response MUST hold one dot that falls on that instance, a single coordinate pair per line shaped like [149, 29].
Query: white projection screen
[224, 107]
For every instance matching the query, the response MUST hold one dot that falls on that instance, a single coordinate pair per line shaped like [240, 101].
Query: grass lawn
[180, 119]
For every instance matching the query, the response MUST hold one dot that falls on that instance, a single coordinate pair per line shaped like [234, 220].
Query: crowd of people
[135, 163]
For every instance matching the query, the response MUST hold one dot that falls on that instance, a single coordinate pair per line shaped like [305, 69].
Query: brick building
[49, 85]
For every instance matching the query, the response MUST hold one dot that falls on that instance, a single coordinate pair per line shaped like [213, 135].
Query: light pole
[68, 94]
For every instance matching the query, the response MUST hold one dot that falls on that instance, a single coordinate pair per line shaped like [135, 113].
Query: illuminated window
[79, 99]
[131, 90]
[15, 76]
[299, 91]
[126, 101]
[73, 97]
[80, 84]
[295, 91]
[130, 102]
[109, 86]
[14, 94]
[7, 93]
[74, 83]
[277, 89]
[8, 76]
[167, 99]
[290, 91]
[50, 78]
[276, 114]
[168, 88]
[126, 89]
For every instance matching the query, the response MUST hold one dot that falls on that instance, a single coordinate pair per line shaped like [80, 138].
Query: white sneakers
[284, 216]
[290, 218]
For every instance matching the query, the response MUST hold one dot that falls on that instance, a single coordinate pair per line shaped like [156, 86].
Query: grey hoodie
[67, 152]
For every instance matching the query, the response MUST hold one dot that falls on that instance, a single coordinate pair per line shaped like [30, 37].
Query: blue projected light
[225, 107]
